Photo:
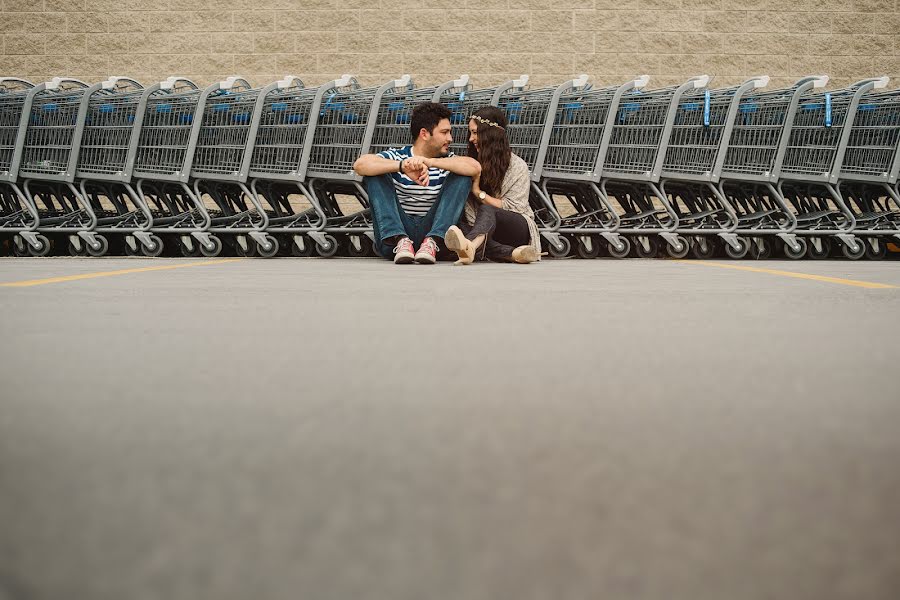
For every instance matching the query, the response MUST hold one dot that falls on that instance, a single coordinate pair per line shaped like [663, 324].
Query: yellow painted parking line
[837, 280]
[65, 278]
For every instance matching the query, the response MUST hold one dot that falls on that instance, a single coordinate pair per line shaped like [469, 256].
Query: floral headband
[486, 122]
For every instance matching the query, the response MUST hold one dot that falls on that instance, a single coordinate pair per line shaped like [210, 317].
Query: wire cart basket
[221, 164]
[106, 162]
[162, 166]
[278, 167]
[868, 177]
[49, 157]
[528, 112]
[18, 216]
[633, 152]
[695, 153]
[569, 164]
[809, 162]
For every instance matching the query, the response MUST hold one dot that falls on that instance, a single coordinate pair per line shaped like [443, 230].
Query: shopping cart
[812, 152]
[50, 150]
[528, 112]
[748, 174]
[632, 160]
[463, 101]
[279, 166]
[221, 164]
[568, 165]
[355, 121]
[695, 153]
[17, 215]
[868, 176]
[395, 111]
[106, 161]
[165, 150]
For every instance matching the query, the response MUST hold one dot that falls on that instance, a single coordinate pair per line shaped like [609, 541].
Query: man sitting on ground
[417, 192]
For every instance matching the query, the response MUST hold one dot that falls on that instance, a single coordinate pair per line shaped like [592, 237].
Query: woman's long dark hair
[495, 153]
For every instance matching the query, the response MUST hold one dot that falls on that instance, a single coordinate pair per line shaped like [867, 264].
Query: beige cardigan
[514, 197]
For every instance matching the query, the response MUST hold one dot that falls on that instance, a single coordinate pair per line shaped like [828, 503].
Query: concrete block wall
[436, 40]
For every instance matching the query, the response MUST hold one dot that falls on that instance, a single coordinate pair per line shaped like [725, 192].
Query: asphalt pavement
[350, 429]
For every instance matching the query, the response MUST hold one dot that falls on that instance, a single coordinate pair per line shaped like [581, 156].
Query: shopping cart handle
[701, 81]
[54, 83]
[761, 81]
[641, 82]
[169, 83]
[344, 81]
[402, 82]
[15, 80]
[521, 81]
[462, 82]
[820, 81]
[114, 80]
[580, 81]
[231, 82]
[881, 82]
[289, 82]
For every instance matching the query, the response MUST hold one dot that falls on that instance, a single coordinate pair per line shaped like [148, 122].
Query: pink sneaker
[427, 254]
[403, 252]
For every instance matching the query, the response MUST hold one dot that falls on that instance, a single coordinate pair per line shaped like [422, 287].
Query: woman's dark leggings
[504, 230]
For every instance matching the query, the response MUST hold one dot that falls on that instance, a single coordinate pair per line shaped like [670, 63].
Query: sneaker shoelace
[431, 244]
[403, 245]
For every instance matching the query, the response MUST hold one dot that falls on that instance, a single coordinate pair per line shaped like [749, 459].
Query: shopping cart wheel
[563, 250]
[43, 248]
[738, 253]
[761, 248]
[681, 248]
[272, 250]
[704, 248]
[216, 249]
[192, 252]
[19, 247]
[155, 248]
[250, 251]
[101, 249]
[650, 251]
[309, 247]
[583, 251]
[818, 253]
[800, 252]
[329, 249]
[373, 249]
[854, 254]
[73, 251]
[365, 246]
[876, 249]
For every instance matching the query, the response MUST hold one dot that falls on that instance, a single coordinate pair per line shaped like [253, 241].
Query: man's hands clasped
[416, 168]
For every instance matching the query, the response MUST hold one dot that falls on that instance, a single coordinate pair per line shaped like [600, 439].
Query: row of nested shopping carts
[622, 170]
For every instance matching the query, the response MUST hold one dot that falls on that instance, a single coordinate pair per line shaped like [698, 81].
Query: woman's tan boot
[524, 255]
[456, 241]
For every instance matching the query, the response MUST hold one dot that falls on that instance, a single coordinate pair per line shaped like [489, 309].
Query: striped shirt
[415, 199]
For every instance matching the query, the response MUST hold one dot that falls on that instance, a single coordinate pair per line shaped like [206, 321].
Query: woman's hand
[476, 184]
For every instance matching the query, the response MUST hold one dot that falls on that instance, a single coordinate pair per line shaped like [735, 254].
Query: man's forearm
[372, 165]
[460, 165]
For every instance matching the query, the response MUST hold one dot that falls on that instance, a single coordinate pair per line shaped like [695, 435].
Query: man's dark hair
[426, 116]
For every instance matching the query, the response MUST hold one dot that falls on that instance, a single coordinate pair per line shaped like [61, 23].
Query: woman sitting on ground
[497, 223]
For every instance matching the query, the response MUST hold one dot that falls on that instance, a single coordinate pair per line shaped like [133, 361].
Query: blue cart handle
[827, 109]
[706, 108]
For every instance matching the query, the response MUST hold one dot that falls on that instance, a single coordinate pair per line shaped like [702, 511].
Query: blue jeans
[389, 219]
